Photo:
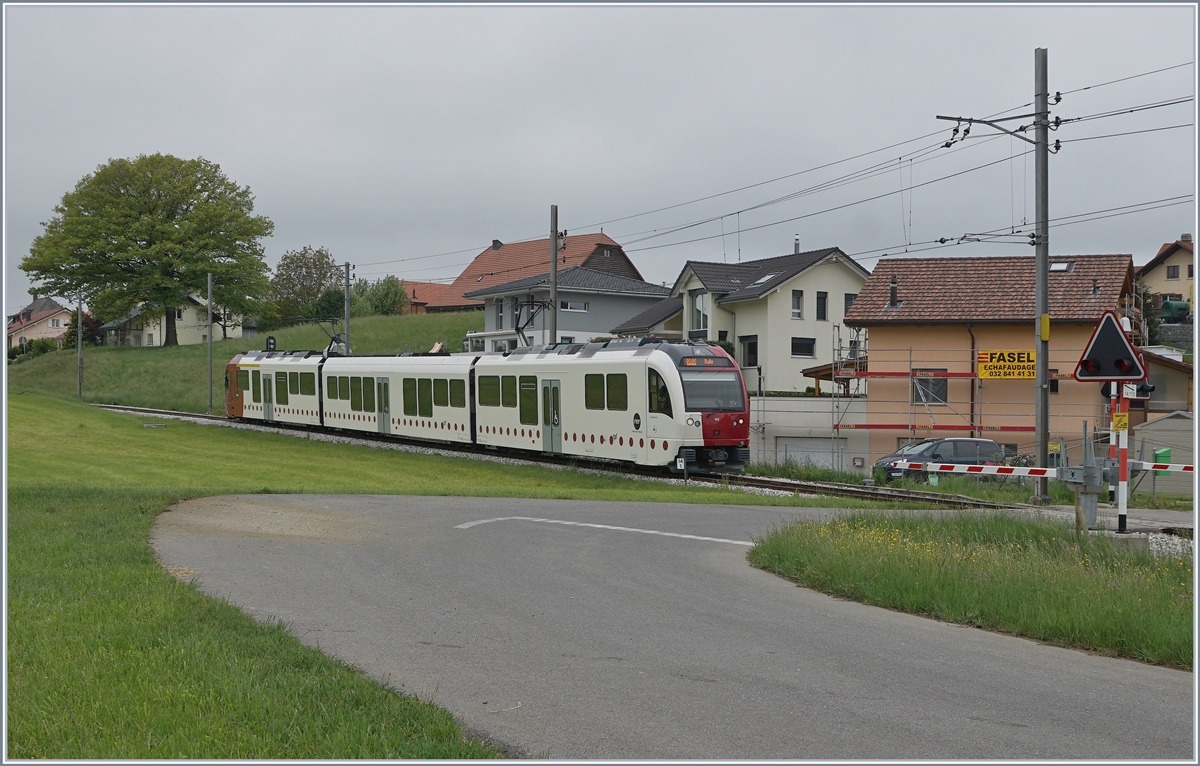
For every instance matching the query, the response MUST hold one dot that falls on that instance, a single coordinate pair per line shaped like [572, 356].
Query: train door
[551, 416]
[383, 399]
[268, 385]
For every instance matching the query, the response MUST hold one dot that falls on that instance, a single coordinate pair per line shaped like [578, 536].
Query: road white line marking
[470, 524]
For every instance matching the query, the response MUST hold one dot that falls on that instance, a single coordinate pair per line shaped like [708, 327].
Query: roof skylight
[764, 280]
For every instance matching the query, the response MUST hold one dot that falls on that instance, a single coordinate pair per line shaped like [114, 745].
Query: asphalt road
[623, 630]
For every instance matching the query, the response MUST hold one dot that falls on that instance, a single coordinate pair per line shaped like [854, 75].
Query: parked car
[959, 451]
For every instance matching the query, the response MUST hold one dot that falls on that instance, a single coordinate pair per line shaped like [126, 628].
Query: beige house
[191, 326]
[44, 318]
[952, 347]
[780, 314]
[1170, 273]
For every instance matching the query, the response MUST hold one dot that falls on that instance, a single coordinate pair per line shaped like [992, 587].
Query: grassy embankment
[109, 657]
[177, 378]
[1004, 573]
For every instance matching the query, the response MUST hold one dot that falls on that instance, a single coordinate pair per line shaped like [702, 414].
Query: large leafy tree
[300, 278]
[147, 232]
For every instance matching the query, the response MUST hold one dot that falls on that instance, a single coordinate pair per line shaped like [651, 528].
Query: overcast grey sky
[390, 133]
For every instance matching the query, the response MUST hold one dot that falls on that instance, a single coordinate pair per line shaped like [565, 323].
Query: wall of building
[800, 429]
[1184, 285]
[604, 312]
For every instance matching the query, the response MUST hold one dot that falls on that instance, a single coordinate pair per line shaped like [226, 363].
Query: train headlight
[691, 422]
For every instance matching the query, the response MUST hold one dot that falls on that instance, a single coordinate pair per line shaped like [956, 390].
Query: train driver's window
[243, 380]
[458, 393]
[255, 387]
[356, 393]
[660, 398]
[441, 393]
[593, 392]
[529, 394]
[489, 390]
[410, 396]
[331, 388]
[618, 391]
[508, 391]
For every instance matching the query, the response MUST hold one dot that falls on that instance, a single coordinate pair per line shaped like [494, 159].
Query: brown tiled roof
[1165, 252]
[424, 292]
[989, 289]
[15, 324]
[514, 261]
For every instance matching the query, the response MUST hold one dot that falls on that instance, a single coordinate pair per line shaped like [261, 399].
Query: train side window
[294, 383]
[441, 393]
[281, 388]
[331, 391]
[660, 397]
[618, 391]
[368, 393]
[489, 390]
[308, 384]
[243, 380]
[343, 387]
[458, 393]
[529, 394]
[356, 394]
[508, 391]
[593, 392]
[425, 397]
[256, 387]
[410, 396]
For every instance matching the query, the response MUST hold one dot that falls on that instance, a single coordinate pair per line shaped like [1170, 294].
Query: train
[660, 403]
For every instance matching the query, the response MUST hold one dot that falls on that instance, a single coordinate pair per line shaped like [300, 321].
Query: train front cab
[233, 391]
[715, 401]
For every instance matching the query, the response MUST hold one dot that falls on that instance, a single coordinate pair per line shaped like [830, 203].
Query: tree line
[147, 232]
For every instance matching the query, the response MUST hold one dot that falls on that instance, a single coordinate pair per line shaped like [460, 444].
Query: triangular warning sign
[1108, 355]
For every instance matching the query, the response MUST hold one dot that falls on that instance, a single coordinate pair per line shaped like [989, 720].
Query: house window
[149, 339]
[478, 344]
[749, 350]
[515, 308]
[55, 323]
[573, 305]
[797, 304]
[822, 305]
[567, 339]
[499, 313]
[1053, 381]
[929, 390]
[1190, 270]
[1172, 272]
[849, 302]
[723, 335]
[179, 313]
[700, 311]
[804, 346]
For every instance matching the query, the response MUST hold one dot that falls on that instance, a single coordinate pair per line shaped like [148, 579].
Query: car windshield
[916, 448]
[713, 390]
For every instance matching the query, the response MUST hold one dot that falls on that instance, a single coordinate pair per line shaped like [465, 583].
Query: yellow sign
[1007, 364]
[1120, 421]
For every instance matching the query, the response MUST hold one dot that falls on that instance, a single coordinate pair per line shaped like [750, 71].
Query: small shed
[1177, 432]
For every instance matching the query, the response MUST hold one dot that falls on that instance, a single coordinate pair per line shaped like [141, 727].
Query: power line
[1127, 133]
[1131, 77]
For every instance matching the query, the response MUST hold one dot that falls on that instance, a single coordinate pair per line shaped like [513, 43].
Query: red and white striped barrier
[1003, 470]
[1137, 465]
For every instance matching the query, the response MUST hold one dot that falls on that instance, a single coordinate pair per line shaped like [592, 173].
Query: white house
[191, 326]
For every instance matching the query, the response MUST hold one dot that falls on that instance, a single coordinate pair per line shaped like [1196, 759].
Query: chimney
[496, 244]
[797, 250]
[1185, 237]
[892, 303]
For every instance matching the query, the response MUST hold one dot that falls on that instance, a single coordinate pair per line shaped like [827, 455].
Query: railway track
[791, 486]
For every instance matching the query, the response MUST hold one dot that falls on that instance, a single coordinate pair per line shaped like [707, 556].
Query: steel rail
[791, 486]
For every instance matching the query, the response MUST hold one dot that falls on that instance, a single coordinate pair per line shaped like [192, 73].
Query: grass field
[1013, 574]
[177, 378]
[109, 657]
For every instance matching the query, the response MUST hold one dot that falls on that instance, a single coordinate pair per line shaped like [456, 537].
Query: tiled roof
[1165, 252]
[655, 315]
[424, 292]
[38, 310]
[754, 279]
[989, 289]
[504, 263]
[577, 278]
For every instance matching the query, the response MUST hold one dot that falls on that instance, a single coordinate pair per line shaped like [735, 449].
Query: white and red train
[645, 400]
